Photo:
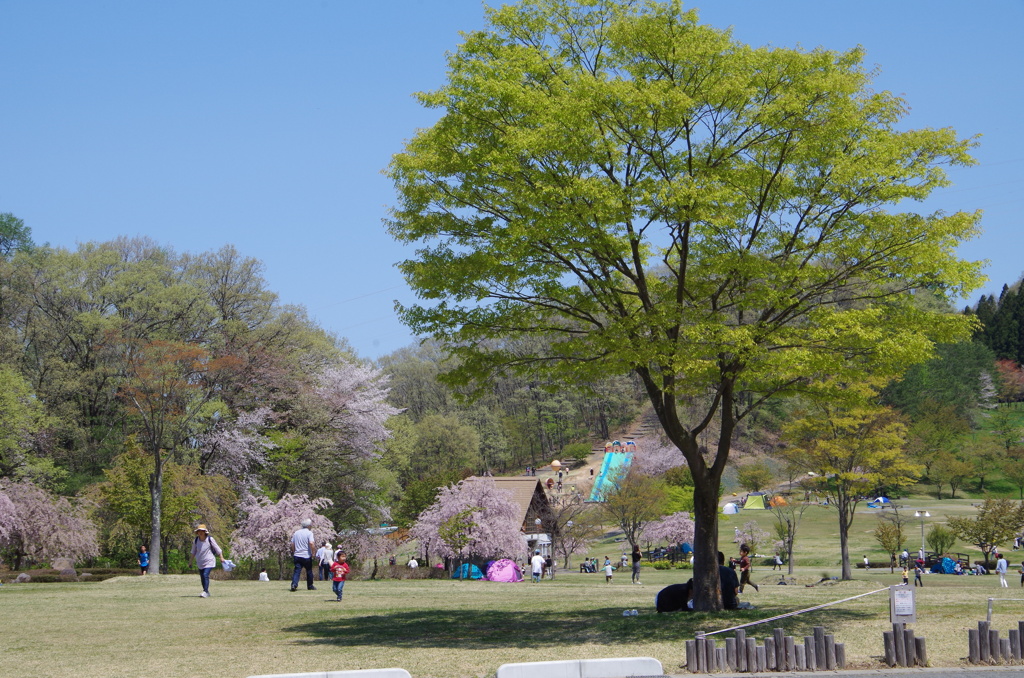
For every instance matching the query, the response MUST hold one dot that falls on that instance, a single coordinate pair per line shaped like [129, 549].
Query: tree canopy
[650, 195]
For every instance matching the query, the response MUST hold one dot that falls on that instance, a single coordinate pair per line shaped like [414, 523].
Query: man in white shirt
[325, 558]
[413, 564]
[537, 566]
[1001, 567]
[303, 544]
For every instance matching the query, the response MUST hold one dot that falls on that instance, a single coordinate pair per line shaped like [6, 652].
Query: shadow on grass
[479, 629]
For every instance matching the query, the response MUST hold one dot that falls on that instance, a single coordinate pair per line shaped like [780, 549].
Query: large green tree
[853, 448]
[650, 195]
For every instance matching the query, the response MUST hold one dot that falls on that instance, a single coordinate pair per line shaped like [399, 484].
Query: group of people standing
[332, 564]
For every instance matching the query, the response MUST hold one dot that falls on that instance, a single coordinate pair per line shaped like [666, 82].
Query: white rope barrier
[793, 614]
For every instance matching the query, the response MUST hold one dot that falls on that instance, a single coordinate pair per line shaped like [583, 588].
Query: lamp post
[922, 515]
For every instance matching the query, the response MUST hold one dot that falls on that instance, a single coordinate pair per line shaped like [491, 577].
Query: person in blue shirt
[143, 559]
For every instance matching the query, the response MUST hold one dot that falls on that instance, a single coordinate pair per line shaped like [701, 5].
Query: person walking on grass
[339, 570]
[777, 565]
[637, 559]
[745, 568]
[1001, 567]
[325, 558]
[205, 552]
[919, 570]
[906, 575]
[303, 546]
[537, 566]
[608, 570]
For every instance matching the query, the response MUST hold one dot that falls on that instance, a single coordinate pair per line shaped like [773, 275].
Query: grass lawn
[135, 626]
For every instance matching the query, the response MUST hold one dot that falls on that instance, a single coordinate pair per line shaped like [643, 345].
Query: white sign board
[902, 606]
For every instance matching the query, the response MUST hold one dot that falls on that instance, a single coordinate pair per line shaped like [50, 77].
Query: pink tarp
[504, 570]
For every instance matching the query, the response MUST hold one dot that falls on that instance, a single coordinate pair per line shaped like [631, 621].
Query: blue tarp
[944, 566]
[467, 571]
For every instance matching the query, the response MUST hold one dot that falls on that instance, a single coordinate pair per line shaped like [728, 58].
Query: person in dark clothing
[674, 598]
[637, 558]
[730, 583]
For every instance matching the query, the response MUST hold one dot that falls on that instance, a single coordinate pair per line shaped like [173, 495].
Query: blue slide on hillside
[614, 464]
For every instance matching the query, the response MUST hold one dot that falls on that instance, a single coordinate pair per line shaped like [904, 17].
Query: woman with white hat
[205, 552]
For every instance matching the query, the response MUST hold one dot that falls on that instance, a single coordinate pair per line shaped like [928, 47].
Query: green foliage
[997, 522]
[951, 379]
[418, 495]
[677, 499]
[940, 539]
[123, 505]
[755, 476]
[679, 476]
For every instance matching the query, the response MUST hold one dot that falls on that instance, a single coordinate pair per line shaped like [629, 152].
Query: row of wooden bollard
[984, 646]
[902, 648]
[780, 652]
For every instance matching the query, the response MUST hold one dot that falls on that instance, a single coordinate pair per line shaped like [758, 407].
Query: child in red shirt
[340, 570]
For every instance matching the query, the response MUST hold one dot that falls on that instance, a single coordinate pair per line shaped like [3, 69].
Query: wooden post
[1004, 649]
[830, 652]
[709, 651]
[819, 647]
[751, 655]
[721, 661]
[889, 645]
[812, 659]
[840, 656]
[730, 654]
[691, 656]
[761, 655]
[908, 639]
[983, 640]
[901, 647]
[1014, 644]
[1020, 634]
[993, 646]
[800, 654]
[780, 650]
[790, 649]
[769, 653]
[973, 646]
[741, 650]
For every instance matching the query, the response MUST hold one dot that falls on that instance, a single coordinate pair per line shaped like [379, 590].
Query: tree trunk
[156, 492]
[789, 556]
[844, 538]
[707, 587]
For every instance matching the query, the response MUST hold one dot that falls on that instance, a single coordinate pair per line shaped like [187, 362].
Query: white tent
[730, 509]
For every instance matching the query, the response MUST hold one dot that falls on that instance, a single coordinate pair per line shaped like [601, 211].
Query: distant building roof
[526, 492]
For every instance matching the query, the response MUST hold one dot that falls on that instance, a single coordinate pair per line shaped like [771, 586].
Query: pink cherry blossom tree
[354, 398]
[265, 527]
[674, 529]
[656, 458]
[489, 518]
[237, 449]
[37, 527]
[365, 546]
[753, 536]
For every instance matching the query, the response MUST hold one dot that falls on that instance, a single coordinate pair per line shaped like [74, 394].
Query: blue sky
[266, 124]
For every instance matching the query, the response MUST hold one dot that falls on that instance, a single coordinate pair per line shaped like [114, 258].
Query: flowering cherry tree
[656, 459]
[491, 524]
[365, 545]
[266, 527]
[753, 536]
[36, 526]
[674, 529]
[236, 449]
[354, 399]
